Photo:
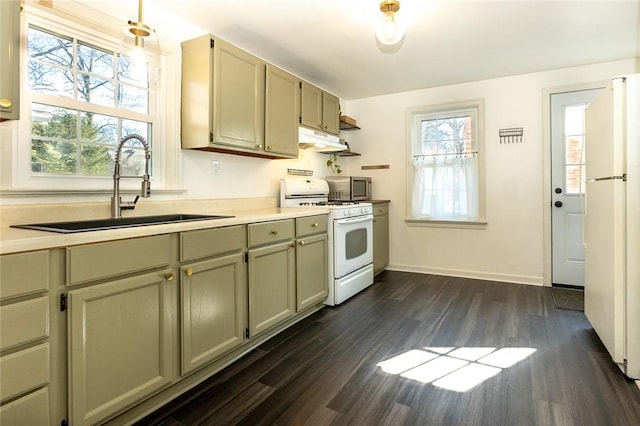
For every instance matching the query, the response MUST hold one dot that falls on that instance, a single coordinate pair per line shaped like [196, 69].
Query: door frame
[546, 158]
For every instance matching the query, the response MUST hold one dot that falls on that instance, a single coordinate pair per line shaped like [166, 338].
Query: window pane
[95, 61]
[127, 71]
[133, 98]
[574, 120]
[573, 146]
[574, 179]
[53, 122]
[96, 160]
[131, 127]
[100, 129]
[44, 78]
[53, 157]
[95, 90]
[49, 48]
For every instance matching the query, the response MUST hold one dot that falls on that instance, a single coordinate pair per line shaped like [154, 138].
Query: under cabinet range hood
[320, 141]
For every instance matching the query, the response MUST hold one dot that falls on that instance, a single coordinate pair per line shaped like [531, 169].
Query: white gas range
[350, 232]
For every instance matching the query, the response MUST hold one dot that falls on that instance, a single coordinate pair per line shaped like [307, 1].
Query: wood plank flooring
[324, 370]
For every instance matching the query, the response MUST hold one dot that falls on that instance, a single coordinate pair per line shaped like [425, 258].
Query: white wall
[511, 248]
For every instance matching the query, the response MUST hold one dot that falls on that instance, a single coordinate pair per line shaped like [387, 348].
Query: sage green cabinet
[311, 261]
[318, 109]
[120, 325]
[272, 274]
[380, 236]
[281, 112]
[222, 97]
[9, 60]
[213, 296]
[25, 364]
[120, 344]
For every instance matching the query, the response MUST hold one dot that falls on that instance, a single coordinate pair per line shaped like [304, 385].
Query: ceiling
[331, 43]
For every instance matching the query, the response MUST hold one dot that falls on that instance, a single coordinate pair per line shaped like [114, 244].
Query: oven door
[353, 244]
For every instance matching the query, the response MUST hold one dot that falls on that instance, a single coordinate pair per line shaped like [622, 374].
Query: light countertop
[13, 240]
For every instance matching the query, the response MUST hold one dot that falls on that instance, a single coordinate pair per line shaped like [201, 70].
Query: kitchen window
[446, 170]
[81, 96]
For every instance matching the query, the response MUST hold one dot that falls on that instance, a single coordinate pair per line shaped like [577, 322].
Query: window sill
[455, 224]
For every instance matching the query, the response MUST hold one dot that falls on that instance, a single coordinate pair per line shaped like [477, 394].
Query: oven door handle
[352, 220]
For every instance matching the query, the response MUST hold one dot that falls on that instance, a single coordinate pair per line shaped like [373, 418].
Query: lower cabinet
[380, 237]
[120, 344]
[213, 301]
[311, 261]
[271, 286]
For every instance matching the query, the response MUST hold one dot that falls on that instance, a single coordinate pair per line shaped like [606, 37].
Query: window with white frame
[446, 171]
[84, 100]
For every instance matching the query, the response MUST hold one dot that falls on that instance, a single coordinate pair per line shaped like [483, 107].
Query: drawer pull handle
[274, 232]
[188, 272]
[168, 277]
[5, 103]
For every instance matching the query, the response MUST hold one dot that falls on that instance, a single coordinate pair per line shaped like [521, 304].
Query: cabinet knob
[315, 225]
[292, 244]
[301, 242]
[188, 272]
[5, 103]
[274, 232]
[259, 146]
[269, 147]
[168, 277]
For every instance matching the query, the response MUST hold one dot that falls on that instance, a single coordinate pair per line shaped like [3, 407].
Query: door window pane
[574, 149]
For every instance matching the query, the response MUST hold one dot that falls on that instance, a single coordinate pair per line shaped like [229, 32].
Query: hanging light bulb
[140, 45]
[389, 30]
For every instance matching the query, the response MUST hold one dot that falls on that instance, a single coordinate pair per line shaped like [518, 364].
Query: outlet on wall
[215, 167]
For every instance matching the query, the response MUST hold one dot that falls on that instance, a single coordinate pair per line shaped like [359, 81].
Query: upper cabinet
[234, 102]
[10, 60]
[319, 110]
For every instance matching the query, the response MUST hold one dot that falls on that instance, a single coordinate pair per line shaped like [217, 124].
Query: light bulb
[389, 30]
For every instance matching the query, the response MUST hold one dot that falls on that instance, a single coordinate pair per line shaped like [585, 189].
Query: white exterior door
[567, 185]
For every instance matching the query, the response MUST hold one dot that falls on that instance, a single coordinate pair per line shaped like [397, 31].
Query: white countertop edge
[15, 240]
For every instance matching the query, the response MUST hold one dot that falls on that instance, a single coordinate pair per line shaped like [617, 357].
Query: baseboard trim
[464, 273]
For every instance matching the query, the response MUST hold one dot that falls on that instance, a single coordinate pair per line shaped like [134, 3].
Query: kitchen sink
[123, 222]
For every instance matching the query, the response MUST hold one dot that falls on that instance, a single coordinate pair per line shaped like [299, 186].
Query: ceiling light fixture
[389, 30]
[140, 43]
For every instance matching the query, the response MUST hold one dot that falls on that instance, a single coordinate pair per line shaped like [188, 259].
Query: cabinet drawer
[210, 242]
[311, 225]
[379, 209]
[271, 232]
[105, 260]
[24, 370]
[24, 273]
[24, 322]
[32, 410]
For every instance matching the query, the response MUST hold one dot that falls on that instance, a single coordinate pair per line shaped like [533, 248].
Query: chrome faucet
[117, 205]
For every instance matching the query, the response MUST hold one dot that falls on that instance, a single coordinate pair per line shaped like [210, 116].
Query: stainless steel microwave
[349, 188]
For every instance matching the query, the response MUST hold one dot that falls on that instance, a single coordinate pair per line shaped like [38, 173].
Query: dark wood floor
[324, 370]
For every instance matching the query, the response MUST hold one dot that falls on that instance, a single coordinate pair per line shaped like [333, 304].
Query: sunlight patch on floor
[456, 369]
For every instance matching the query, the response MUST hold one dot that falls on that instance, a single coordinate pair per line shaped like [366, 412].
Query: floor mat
[568, 298]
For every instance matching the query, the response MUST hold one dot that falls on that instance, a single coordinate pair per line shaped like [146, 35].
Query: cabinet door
[281, 112]
[9, 65]
[311, 106]
[311, 271]
[238, 95]
[271, 286]
[380, 242]
[213, 316]
[330, 113]
[120, 344]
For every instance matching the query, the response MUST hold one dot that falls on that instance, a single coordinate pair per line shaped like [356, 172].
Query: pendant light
[140, 43]
[389, 30]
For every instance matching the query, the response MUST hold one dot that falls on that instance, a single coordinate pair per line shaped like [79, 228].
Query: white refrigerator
[612, 221]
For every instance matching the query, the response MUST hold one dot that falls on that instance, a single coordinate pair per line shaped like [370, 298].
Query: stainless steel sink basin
[125, 222]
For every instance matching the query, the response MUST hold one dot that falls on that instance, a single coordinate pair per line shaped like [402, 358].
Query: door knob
[558, 190]
[558, 204]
